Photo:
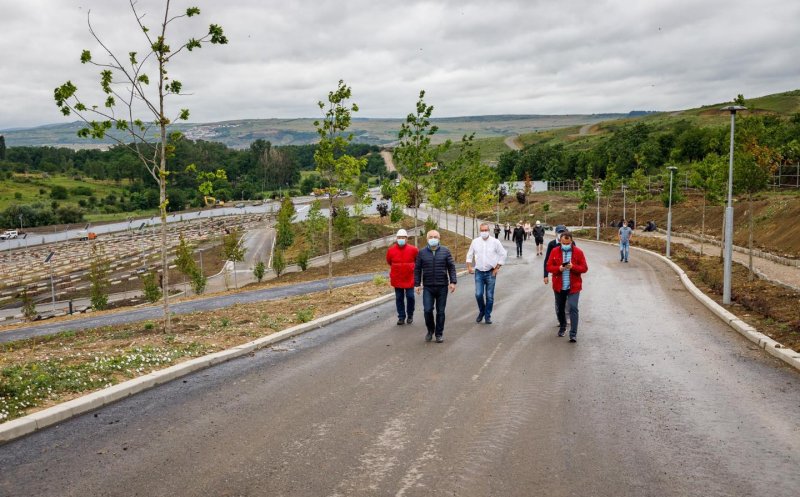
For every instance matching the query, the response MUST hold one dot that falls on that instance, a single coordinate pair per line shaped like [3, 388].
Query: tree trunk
[583, 217]
[330, 243]
[751, 274]
[608, 203]
[162, 196]
[703, 226]
[635, 219]
[455, 230]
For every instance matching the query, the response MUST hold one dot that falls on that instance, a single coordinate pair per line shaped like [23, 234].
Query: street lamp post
[624, 201]
[672, 170]
[597, 194]
[726, 284]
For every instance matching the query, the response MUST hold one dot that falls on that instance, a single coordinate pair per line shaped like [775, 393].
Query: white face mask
[484, 234]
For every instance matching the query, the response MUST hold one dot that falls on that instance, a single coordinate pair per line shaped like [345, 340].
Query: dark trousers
[434, 295]
[564, 298]
[507, 234]
[404, 299]
[519, 248]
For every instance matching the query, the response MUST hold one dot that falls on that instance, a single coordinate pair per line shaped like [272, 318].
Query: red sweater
[401, 260]
[579, 267]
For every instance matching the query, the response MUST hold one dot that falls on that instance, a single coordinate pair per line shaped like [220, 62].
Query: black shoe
[409, 320]
[626, 261]
[561, 333]
[488, 321]
[429, 337]
[573, 340]
[479, 318]
[401, 321]
[439, 339]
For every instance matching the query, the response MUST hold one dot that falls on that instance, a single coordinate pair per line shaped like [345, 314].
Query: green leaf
[184, 116]
[105, 80]
[110, 102]
[132, 56]
[192, 11]
[144, 79]
[192, 44]
[174, 87]
[86, 56]
[217, 37]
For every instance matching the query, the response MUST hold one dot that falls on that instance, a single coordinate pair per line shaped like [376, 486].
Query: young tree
[708, 176]
[414, 154]
[2, 147]
[588, 195]
[546, 210]
[333, 164]
[278, 263]
[751, 175]
[315, 225]
[607, 187]
[233, 250]
[98, 278]
[184, 261]
[286, 215]
[126, 82]
[637, 186]
[259, 270]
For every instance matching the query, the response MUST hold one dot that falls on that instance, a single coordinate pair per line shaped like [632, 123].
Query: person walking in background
[625, 233]
[401, 258]
[538, 237]
[507, 230]
[435, 274]
[527, 228]
[567, 263]
[484, 259]
[497, 231]
[518, 237]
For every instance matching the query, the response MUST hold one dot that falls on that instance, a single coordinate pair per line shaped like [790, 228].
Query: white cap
[402, 232]
[538, 223]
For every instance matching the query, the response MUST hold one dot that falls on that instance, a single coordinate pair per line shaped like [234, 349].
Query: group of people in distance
[431, 271]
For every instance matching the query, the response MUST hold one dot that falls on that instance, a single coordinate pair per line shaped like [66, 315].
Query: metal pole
[726, 285]
[669, 216]
[52, 286]
[598, 213]
[624, 202]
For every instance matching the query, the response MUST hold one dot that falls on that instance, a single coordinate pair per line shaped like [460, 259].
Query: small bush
[259, 270]
[430, 224]
[28, 306]
[150, 286]
[305, 315]
[302, 260]
[149, 326]
[380, 280]
[198, 281]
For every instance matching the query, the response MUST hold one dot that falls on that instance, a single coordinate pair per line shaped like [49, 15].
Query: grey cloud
[472, 57]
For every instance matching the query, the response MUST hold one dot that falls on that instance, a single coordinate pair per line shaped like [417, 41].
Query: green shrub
[305, 315]
[302, 260]
[259, 270]
[150, 286]
[278, 262]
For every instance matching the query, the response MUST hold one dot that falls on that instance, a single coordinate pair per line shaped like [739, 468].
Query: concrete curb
[28, 424]
[772, 347]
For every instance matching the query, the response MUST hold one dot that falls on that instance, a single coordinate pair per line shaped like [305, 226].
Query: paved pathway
[780, 273]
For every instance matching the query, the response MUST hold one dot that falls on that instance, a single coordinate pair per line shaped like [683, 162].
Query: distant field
[242, 133]
[32, 188]
[491, 149]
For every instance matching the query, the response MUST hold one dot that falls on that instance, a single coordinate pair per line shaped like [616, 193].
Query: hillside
[241, 133]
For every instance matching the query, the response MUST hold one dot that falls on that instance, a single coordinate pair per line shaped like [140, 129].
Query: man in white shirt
[485, 257]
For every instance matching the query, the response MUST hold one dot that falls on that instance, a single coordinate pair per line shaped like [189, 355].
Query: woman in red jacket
[567, 263]
[401, 258]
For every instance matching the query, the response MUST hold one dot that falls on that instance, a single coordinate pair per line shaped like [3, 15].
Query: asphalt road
[657, 398]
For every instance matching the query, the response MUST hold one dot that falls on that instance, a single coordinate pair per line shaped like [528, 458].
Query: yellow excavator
[213, 202]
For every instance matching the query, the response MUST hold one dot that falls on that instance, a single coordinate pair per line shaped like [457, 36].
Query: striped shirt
[567, 254]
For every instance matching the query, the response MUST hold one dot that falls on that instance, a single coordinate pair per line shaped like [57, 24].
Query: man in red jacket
[401, 258]
[567, 263]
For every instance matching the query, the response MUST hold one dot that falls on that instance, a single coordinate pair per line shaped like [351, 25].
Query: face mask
[401, 242]
[433, 242]
[566, 246]
[484, 234]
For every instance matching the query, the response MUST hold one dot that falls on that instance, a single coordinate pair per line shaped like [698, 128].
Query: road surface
[657, 398]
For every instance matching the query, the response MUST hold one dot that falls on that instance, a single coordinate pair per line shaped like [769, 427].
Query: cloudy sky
[472, 57]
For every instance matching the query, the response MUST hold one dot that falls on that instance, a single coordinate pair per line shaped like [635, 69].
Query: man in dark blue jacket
[435, 273]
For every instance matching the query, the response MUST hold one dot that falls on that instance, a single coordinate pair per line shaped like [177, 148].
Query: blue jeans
[564, 298]
[434, 295]
[484, 292]
[404, 299]
[624, 249]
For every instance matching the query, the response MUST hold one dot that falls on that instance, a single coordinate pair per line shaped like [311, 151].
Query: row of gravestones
[65, 280]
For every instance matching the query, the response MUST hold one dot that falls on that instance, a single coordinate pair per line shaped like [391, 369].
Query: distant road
[513, 143]
[387, 157]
